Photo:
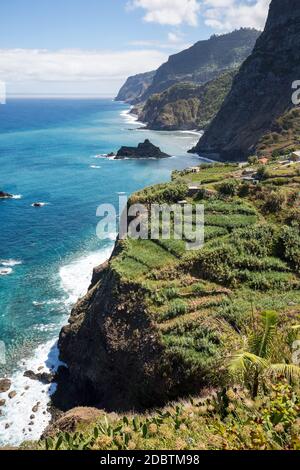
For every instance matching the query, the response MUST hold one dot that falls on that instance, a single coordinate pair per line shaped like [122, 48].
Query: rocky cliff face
[111, 349]
[135, 87]
[186, 106]
[204, 61]
[262, 90]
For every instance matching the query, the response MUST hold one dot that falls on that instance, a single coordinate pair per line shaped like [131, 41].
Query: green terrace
[200, 299]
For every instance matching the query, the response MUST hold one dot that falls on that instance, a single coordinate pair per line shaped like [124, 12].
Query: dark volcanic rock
[143, 150]
[4, 195]
[5, 385]
[262, 90]
[44, 377]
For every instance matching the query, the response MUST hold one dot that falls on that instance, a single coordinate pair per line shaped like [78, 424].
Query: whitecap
[131, 118]
[95, 167]
[75, 278]
[5, 272]
[40, 204]
[9, 262]
[17, 411]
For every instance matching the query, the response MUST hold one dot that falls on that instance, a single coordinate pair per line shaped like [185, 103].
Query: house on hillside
[296, 156]
[263, 161]
[194, 169]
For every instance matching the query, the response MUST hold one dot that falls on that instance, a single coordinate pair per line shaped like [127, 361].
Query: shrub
[262, 173]
[289, 246]
[273, 202]
[253, 160]
[228, 188]
[177, 307]
[244, 189]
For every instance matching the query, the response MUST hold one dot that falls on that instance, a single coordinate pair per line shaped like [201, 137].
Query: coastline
[45, 358]
[33, 397]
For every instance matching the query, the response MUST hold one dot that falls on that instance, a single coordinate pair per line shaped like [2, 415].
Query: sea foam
[75, 278]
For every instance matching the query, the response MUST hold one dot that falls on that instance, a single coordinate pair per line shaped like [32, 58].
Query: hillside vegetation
[216, 324]
[186, 106]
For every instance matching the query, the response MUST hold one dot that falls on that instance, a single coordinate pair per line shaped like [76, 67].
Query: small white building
[194, 169]
[296, 155]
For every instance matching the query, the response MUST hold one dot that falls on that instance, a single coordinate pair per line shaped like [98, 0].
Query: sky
[89, 47]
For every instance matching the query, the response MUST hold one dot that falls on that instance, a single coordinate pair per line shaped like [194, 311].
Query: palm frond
[241, 361]
[270, 319]
[290, 371]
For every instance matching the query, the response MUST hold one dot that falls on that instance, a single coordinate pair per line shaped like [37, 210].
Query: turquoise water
[47, 154]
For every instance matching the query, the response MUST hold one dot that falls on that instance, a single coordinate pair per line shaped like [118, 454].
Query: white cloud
[174, 41]
[168, 12]
[75, 65]
[226, 15]
[221, 15]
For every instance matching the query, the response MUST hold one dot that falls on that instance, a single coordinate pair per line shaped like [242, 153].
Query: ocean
[49, 153]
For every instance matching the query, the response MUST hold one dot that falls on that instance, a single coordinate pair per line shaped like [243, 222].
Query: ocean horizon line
[59, 95]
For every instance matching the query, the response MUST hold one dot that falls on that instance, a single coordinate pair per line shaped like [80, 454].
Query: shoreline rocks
[44, 377]
[4, 195]
[5, 385]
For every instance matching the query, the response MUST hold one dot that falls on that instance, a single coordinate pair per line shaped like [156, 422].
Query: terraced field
[192, 295]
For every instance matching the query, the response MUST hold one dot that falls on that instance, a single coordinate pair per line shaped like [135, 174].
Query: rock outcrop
[135, 87]
[69, 421]
[262, 90]
[186, 106]
[4, 195]
[143, 150]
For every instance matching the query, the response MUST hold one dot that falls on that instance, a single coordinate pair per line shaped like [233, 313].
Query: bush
[228, 188]
[290, 246]
[253, 160]
[262, 173]
[273, 202]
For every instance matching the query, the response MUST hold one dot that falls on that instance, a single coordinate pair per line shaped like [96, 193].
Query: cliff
[135, 87]
[159, 321]
[204, 61]
[186, 106]
[261, 91]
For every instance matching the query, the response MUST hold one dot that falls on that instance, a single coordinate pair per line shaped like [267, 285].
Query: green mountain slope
[186, 106]
[262, 91]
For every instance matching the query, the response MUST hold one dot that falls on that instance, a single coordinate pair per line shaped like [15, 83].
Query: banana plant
[258, 358]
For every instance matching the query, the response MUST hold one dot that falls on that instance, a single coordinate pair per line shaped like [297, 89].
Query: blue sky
[91, 46]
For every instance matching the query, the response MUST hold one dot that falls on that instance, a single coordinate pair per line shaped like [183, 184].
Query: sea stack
[143, 150]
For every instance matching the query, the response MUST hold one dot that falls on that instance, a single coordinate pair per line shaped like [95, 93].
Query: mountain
[135, 87]
[261, 93]
[204, 61]
[187, 106]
